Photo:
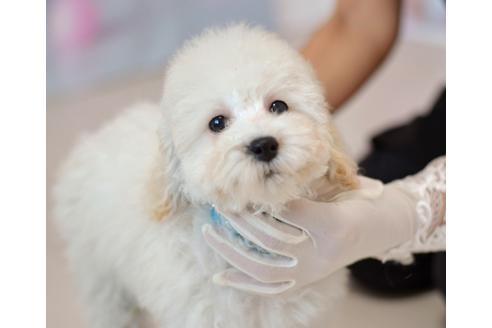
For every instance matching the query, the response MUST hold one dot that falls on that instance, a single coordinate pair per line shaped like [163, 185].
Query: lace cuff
[429, 189]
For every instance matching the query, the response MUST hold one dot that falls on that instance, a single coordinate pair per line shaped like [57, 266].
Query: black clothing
[398, 152]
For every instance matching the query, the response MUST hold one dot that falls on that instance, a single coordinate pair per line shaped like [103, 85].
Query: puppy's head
[246, 123]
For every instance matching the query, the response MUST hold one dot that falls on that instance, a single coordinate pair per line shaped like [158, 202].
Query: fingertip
[214, 238]
[210, 235]
[219, 279]
[206, 228]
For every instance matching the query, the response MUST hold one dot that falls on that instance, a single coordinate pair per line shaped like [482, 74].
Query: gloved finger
[262, 268]
[224, 239]
[306, 214]
[266, 225]
[269, 233]
[237, 279]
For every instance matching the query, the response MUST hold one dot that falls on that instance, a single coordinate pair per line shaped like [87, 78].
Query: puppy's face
[246, 123]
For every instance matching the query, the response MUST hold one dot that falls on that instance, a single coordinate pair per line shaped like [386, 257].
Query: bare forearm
[352, 44]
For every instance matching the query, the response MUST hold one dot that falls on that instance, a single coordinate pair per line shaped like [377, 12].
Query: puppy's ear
[342, 172]
[163, 196]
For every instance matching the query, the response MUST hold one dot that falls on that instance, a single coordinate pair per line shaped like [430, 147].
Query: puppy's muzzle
[263, 149]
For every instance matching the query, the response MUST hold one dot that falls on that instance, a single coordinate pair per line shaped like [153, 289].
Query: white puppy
[243, 125]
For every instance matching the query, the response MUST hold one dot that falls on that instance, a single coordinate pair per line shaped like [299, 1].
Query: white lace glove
[315, 239]
[428, 188]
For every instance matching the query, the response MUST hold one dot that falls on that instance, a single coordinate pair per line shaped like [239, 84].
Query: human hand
[310, 240]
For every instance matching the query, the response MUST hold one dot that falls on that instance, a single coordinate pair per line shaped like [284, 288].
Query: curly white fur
[132, 198]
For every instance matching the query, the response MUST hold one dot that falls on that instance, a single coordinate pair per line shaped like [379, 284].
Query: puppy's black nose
[264, 149]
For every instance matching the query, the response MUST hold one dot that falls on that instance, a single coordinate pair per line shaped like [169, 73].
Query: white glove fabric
[314, 239]
[428, 187]
[310, 240]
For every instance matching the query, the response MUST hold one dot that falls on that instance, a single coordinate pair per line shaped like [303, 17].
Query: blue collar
[215, 216]
[222, 223]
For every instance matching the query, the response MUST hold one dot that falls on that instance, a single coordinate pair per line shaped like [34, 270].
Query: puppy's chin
[269, 190]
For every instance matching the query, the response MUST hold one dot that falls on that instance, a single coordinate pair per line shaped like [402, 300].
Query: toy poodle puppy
[243, 125]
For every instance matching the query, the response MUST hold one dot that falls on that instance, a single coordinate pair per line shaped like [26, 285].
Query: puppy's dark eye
[278, 107]
[218, 123]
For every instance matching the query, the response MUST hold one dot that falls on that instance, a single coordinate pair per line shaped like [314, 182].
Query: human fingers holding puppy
[315, 239]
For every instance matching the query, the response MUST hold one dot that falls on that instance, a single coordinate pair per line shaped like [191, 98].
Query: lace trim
[429, 187]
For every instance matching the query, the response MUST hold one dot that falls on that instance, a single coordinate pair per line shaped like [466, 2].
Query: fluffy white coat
[132, 198]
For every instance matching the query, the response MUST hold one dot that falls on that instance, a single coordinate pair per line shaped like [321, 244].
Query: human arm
[351, 45]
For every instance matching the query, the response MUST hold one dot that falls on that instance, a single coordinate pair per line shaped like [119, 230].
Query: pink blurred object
[75, 24]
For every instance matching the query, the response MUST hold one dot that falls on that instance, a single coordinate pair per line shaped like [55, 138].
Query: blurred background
[104, 55]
